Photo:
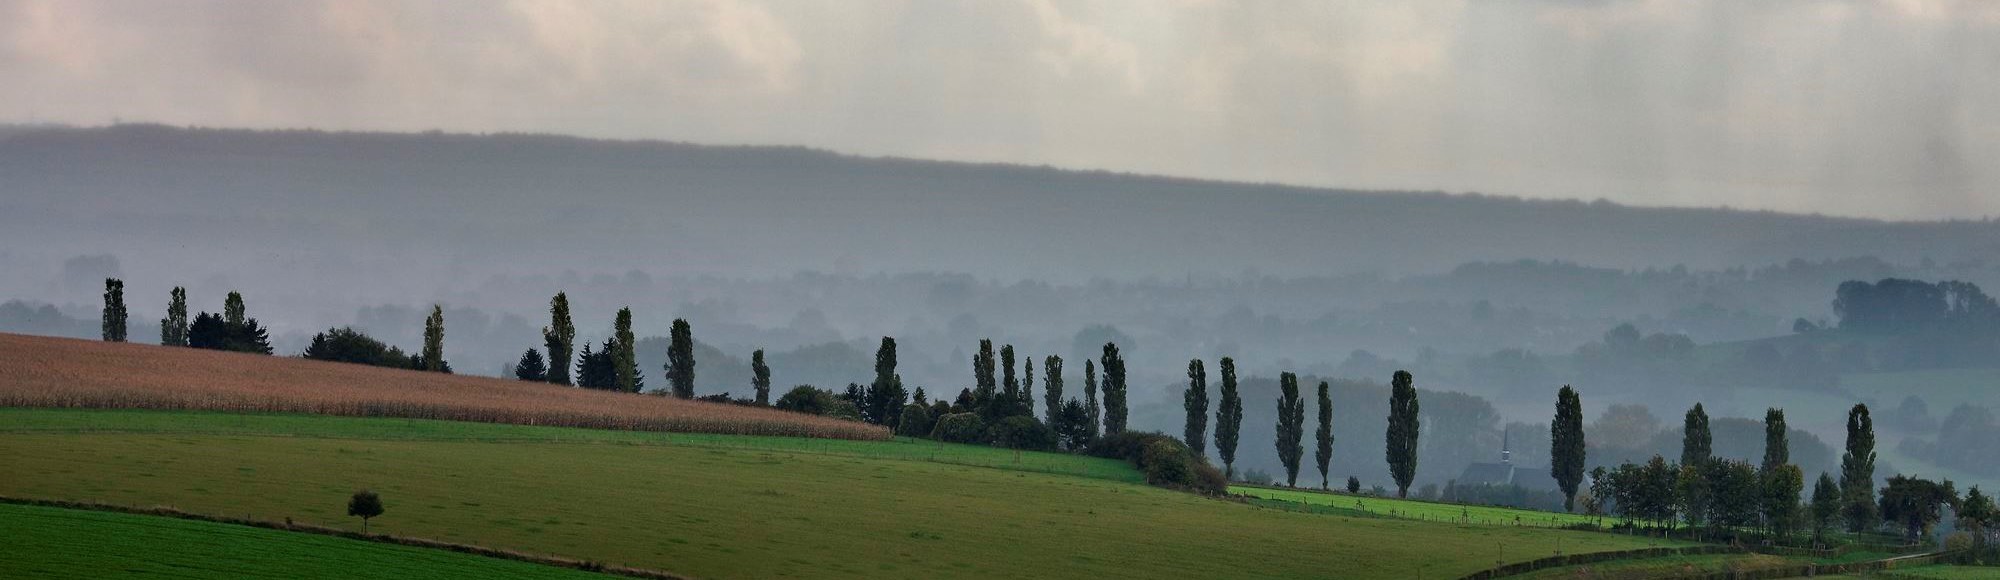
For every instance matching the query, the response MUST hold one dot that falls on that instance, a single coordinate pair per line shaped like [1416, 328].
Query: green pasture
[1363, 505]
[46, 542]
[718, 508]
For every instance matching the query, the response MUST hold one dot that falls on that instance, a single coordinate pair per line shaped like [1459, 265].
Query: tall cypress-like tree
[233, 312]
[1228, 417]
[625, 358]
[1697, 444]
[434, 340]
[1028, 384]
[1114, 390]
[1777, 450]
[1291, 426]
[1404, 429]
[1857, 471]
[1090, 395]
[760, 378]
[680, 358]
[885, 395]
[983, 385]
[114, 310]
[1195, 402]
[1566, 446]
[1052, 387]
[1325, 434]
[174, 328]
[560, 339]
[1010, 386]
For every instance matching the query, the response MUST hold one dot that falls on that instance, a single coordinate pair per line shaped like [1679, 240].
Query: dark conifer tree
[1826, 504]
[1857, 471]
[1404, 429]
[174, 328]
[1566, 445]
[434, 340]
[760, 378]
[1052, 379]
[531, 367]
[1697, 444]
[1777, 450]
[560, 339]
[1324, 436]
[114, 310]
[1228, 418]
[680, 359]
[1114, 390]
[1195, 402]
[1291, 426]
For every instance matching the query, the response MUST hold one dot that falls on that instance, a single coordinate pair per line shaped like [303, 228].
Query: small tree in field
[365, 504]
[1353, 484]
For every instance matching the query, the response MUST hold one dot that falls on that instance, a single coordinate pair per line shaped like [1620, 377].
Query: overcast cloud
[1857, 108]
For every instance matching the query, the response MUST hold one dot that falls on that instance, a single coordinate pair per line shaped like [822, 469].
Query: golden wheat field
[64, 372]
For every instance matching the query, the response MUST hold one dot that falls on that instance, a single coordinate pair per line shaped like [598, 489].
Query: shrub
[916, 421]
[805, 399]
[1353, 484]
[959, 428]
[1256, 476]
[1958, 541]
[1209, 480]
[1021, 432]
[1166, 463]
[840, 408]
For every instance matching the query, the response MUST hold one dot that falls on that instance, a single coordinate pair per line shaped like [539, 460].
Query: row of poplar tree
[234, 330]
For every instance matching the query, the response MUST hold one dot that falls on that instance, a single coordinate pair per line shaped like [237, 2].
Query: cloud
[1864, 108]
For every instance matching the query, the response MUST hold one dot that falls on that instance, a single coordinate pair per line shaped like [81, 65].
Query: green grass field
[1946, 572]
[1418, 510]
[717, 509]
[46, 542]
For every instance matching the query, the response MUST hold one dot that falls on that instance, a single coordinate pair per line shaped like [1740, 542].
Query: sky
[1880, 109]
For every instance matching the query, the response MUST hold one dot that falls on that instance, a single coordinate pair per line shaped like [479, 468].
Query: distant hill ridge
[539, 201]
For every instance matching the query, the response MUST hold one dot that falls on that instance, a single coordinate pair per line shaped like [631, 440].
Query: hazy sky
[1858, 108]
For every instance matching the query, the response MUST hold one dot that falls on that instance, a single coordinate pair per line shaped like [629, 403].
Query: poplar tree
[174, 328]
[1052, 389]
[1404, 429]
[1697, 444]
[983, 390]
[1857, 470]
[1228, 418]
[560, 339]
[680, 359]
[1566, 445]
[1291, 426]
[1010, 386]
[1195, 401]
[885, 395]
[1090, 394]
[1028, 385]
[1114, 390]
[233, 312]
[433, 339]
[1325, 434]
[114, 310]
[625, 357]
[1777, 450]
[760, 378]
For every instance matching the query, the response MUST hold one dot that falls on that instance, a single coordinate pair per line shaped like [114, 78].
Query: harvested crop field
[70, 373]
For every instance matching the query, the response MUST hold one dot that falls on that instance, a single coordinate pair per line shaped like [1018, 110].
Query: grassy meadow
[47, 542]
[717, 509]
[1416, 510]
